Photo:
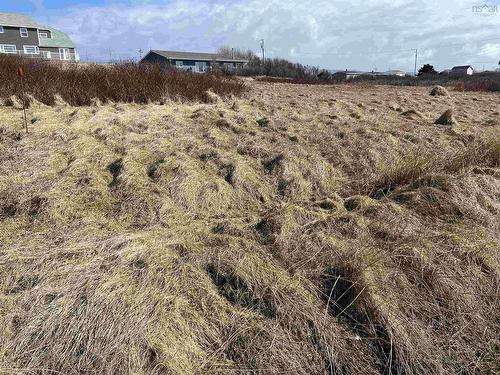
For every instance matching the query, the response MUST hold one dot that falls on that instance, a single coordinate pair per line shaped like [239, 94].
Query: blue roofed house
[196, 62]
[21, 35]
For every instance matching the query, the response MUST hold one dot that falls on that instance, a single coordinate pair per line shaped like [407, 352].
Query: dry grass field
[296, 230]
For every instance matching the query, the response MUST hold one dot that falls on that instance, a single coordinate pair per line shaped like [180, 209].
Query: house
[21, 35]
[348, 74]
[192, 61]
[352, 74]
[397, 73]
[462, 70]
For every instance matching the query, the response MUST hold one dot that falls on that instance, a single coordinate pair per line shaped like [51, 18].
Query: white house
[397, 73]
[462, 70]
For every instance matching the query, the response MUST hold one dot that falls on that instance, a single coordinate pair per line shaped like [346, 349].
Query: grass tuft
[446, 118]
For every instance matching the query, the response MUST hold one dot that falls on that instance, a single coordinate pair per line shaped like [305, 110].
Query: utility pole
[262, 47]
[232, 53]
[416, 58]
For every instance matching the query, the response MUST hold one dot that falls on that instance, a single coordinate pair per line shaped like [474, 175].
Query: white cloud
[341, 34]
[491, 50]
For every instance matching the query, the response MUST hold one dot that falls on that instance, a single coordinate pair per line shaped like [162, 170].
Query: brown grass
[197, 238]
[447, 118]
[439, 91]
[479, 82]
[82, 85]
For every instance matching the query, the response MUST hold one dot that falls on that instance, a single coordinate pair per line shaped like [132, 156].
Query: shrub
[458, 86]
[79, 85]
[426, 69]
[482, 85]
[284, 69]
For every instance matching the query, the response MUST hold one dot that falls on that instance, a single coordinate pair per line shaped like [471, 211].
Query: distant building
[398, 73]
[352, 74]
[21, 35]
[192, 61]
[462, 70]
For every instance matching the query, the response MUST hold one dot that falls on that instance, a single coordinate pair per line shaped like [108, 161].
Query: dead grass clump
[403, 171]
[271, 165]
[15, 102]
[412, 167]
[153, 169]
[300, 178]
[439, 91]
[395, 107]
[484, 152]
[235, 106]
[446, 118]
[358, 202]
[237, 292]
[345, 295]
[412, 113]
[210, 97]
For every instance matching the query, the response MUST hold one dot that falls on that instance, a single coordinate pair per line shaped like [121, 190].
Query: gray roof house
[21, 35]
[351, 74]
[197, 62]
[462, 70]
[397, 73]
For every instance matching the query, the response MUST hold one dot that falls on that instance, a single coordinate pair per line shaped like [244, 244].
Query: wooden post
[20, 74]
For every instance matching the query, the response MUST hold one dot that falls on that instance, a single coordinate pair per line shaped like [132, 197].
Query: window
[44, 34]
[201, 66]
[31, 50]
[8, 48]
[1, 29]
[179, 64]
[64, 54]
[24, 32]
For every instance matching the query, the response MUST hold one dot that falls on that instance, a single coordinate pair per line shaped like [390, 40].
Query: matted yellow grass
[301, 229]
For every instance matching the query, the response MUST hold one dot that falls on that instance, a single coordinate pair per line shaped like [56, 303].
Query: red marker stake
[20, 74]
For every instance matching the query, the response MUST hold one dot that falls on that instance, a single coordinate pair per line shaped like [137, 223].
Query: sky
[357, 34]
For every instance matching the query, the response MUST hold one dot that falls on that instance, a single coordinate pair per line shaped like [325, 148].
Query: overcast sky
[357, 34]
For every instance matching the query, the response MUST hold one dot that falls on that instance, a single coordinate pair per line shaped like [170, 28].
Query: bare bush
[80, 84]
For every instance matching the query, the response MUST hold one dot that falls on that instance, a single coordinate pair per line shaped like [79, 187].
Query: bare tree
[236, 53]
